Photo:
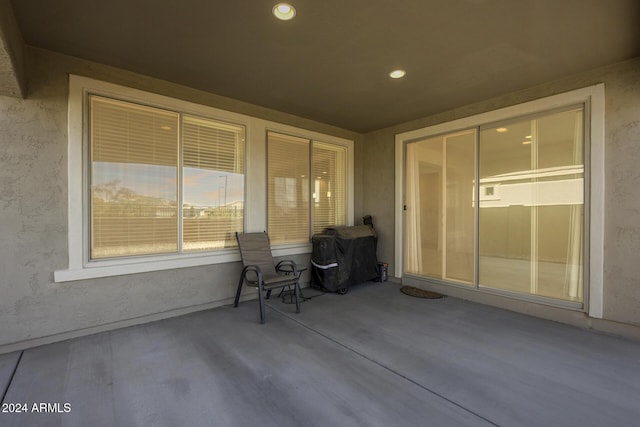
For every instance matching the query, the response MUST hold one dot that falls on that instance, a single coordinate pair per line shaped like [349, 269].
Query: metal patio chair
[260, 271]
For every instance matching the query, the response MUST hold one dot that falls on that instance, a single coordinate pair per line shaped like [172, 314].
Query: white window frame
[593, 98]
[348, 166]
[80, 267]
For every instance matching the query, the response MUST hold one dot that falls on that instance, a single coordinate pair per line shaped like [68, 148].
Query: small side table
[290, 292]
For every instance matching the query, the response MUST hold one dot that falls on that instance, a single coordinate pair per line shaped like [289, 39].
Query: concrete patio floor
[373, 357]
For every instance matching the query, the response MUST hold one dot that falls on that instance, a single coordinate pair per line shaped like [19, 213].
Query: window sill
[124, 267]
[108, 268]
[291, 249]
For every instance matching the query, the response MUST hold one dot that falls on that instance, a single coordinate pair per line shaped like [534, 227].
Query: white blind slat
[287, 188]
[134, 152]
[329, 190]
[213, 187]
[134, 180]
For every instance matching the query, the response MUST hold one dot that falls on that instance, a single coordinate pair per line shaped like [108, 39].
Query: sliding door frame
[593, 100]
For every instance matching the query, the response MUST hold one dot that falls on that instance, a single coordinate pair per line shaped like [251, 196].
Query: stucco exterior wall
[622, 176]
[33, 206]
[622, 194]
[33, 217]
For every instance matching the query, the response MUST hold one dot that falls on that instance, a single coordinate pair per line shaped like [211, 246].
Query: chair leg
[297, 292]
[237, 300]
[261, 298]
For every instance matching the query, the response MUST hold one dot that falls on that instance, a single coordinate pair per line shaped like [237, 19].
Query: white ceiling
[331, 63]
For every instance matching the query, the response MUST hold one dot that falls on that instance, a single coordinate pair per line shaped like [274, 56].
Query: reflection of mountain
[112, 200]
[110, 192]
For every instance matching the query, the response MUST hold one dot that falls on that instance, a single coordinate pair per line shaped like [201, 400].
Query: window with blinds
[144, 163]
[287, 188]
[212, 182]
[306, 187]
[329, 192]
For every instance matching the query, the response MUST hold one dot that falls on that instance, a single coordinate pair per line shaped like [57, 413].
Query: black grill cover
[344, 256]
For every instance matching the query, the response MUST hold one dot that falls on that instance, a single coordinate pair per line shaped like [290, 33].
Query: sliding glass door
[525, 234]
[440, 214]
[531, 213]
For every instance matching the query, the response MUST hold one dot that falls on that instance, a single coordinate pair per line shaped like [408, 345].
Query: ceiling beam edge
[12, 73]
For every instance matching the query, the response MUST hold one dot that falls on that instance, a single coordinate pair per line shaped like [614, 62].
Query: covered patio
[374, 356]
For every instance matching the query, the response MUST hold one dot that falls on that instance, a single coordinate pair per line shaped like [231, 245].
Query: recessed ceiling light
[284, 11]
[397, 74]
[502, 130]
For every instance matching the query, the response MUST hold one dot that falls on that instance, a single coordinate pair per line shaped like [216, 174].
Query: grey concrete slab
[372, 357]
[75, 372]
[509, 368]
[220, 368]
[8, 364]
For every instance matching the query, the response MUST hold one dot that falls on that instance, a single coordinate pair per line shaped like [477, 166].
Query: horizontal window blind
[137, 182]
[133, 175]
[211, 145]
[123, 132]
[307, 184]
[329, 189]
[213, 183]
[287, 188]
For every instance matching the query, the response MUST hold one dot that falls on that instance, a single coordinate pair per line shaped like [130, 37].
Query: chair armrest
[253, 269]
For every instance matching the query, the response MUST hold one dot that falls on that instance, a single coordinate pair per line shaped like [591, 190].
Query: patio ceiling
[331, 63]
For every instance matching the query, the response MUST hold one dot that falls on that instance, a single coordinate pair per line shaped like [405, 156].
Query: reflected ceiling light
[526, 142]
[397, 74]
[165, 127]
[284, 11]
[502, 130]
[528, 136]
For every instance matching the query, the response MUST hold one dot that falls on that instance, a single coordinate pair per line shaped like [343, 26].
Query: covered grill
[343, 256]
